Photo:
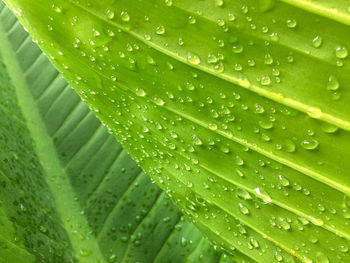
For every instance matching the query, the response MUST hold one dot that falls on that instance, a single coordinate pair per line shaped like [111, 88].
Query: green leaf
[238, 109]
[68, 191]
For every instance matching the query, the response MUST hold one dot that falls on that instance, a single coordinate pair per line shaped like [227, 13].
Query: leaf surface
[238, 109]
[68, 191]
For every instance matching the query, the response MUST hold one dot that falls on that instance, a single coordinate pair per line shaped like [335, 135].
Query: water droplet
[341, 52]
[343, 248]
[265, 80]
[284, 224]
[309, 144]
[140, 92]
[212, 126]
[268, 59]
[219, 67]
[239, 161]
[313, 239]
[84, 252]
[315, 221]
[291, 23]
[110, 14]
[263, 195]
[317, 41]
[125, 16]
[237, 49]
[333, 83]
[244, 210]
[243, 194]
[193, 59]
[192, 20]
[169, 2]
[278, 256]
[314, 113]
[284, 181]
[158, 101]
[160, 30]
[254, 243]
[289, 146]
[322, 259]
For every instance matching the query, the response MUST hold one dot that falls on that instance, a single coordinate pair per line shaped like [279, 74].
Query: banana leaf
[239, 110]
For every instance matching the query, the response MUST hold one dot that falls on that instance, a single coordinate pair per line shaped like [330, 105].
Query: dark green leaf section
[30, 227]
[128, 218]
[239, 110]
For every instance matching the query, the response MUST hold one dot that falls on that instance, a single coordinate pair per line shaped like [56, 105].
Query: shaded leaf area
[239, 110]
[98, 206]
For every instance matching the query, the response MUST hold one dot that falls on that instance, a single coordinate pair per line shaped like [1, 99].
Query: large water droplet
[341, 52]
[309, 144]
[193, 59]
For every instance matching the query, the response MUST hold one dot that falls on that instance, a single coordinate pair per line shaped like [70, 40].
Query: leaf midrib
[318, 9]
[66, 203]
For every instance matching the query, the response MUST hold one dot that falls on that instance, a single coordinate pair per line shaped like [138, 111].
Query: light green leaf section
[239, 110]
[68, 190]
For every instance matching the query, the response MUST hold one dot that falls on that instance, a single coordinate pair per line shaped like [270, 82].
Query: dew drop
[125, 16]
[343, 248]
[291, 23]
[169, 2]
[110, 14]
[160, 30]
[317, 41]
[243, 194]
[341, 52]
[244, 210]
[284, 181]
[309, 144]
[265, 80]
[140, 92]
[193, 59]
[333, 83]
[328, 128]
[212, 126]
[322, 259]
[278, 256]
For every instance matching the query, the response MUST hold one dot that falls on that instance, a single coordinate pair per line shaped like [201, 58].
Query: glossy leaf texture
[239, 110]
[68, 190]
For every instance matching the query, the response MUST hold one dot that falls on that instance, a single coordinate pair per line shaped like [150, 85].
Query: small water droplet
[291, 23]
[110, 14]
[265, 80]
[125, 16]
[317, 41]
[333, 83]
[243, 194]
[322, 259]
[160, 30]
[244, 210]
